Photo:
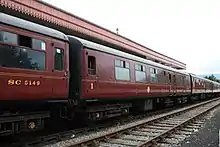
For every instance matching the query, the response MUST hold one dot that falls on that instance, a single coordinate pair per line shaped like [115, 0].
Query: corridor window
[153, 75]
[140, 73]
[19, 57]
[17, 52]
[122, 71]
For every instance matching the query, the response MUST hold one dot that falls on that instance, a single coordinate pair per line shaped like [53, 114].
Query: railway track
[51, 138]
[64, 135]
[154, 130]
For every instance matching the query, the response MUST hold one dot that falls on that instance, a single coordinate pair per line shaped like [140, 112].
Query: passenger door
[170, 82]
[59, 70]
[174, 83]
[91, 82]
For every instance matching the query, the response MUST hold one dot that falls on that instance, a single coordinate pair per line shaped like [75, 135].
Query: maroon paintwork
[51, 14]
[200, 85]
[105, 86]
[53, 85]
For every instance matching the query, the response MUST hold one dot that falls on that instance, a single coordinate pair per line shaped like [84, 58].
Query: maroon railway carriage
[33, 72]
[111, 82]
[202, 87]
[46, 74]
[121, 80]
[216, 87]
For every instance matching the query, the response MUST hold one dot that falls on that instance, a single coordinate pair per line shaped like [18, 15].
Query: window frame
[88, 66]
[165, 76]
[154, 70]
[39, 48]
[124, 66]
[170, 78]
[30, 35]
[54, 65]
[140, 68]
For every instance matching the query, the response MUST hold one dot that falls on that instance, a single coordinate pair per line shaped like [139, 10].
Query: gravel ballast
[208, 135]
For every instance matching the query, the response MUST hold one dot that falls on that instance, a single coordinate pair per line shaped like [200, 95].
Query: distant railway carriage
[47, 74]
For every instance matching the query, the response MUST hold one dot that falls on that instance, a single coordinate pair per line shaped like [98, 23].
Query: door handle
[66, 73]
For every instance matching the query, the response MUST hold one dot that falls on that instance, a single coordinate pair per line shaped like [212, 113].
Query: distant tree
[212, 77]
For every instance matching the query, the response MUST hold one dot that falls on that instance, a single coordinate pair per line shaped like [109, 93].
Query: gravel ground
[208, 135]
[70, 142]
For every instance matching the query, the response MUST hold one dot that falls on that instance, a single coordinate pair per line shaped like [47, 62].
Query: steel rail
[75, 134]
[117, 133]
[68, 134]
[176, 127]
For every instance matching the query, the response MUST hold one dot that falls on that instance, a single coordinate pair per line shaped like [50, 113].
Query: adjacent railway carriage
[121, 79]
[47, 74]
[127, 82]
[202, 87]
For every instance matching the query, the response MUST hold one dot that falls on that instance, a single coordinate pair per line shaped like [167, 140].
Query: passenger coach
[47, 75]
[33, 72]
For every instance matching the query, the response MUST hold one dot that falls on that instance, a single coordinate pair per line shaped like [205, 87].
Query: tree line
[212, 77]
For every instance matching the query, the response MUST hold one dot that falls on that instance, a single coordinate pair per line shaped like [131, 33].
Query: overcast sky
[187, 30]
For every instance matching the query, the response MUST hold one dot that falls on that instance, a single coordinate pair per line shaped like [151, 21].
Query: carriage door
[92, 75]
[59, 70]
[170, 83]
[174, 84]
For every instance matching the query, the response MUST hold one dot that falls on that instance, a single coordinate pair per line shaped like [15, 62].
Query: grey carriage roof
[109, 50]
[21, 23]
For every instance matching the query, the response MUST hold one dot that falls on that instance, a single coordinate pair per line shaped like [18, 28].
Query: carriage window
[174, 79]
[38, 44]
[183, 80]
[25, 41]
[7, 37]
[153, 75]
[59, 59]
[21, 40]
[18, 57]
[122, 71]
[164, 73]
[117, 63]
[91, 65]
[140, 74]
[170, 78]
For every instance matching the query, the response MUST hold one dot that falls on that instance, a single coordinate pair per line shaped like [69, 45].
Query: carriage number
[24, 82]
